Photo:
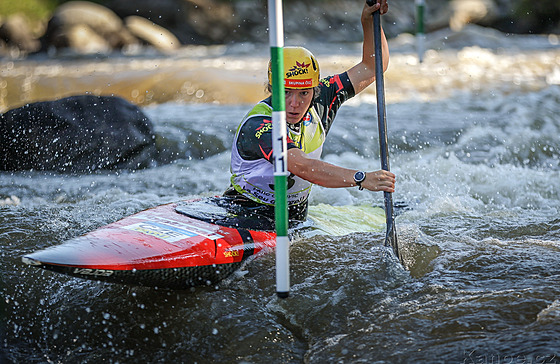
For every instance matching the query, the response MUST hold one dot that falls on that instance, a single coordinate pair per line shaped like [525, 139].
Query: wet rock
[16, 33]
[471, 11]
[73, 24]
[470, 35]
[191, 21]
[83, 39]
[151, 33]
[169, 14]
[78, 134]
[88, 27]
[213, 19]
[9, 201]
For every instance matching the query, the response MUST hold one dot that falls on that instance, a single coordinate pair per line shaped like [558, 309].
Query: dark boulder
[78, 134]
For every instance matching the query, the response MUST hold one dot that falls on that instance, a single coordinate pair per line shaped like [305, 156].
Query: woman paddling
[311, 106]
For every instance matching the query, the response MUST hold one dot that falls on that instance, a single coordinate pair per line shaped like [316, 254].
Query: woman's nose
[292, 100]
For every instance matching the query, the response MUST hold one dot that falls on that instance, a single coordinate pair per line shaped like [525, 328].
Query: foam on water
[473, 136]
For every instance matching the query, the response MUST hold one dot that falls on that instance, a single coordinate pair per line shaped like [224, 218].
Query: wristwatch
[359, 177]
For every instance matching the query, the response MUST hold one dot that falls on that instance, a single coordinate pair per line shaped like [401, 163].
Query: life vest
[255, 178]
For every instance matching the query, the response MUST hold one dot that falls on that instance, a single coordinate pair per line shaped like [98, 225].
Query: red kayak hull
[158, 247]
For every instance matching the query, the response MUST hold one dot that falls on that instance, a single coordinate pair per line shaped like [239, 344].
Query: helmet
[301, 69]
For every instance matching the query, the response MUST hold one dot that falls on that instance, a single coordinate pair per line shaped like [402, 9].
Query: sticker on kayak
[165, 232]
[188, 229]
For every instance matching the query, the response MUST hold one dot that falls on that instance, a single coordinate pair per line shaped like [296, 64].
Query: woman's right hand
[379, 181]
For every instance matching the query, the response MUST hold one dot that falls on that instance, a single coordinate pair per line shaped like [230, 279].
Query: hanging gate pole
[420, 35]
[279, 147]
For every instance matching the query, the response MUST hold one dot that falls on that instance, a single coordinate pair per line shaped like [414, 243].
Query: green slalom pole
[420, 35]
[279, 147]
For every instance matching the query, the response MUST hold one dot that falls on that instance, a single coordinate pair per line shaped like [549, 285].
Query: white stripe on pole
[275, 23]
[420, 34]
[282, 266]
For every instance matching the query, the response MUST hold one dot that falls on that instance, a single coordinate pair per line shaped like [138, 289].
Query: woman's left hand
[380, 5]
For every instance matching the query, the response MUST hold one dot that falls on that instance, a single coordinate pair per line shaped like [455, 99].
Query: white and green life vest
[255, 178]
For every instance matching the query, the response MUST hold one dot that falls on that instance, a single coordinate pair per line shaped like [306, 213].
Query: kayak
[188, 243]
[168, 246]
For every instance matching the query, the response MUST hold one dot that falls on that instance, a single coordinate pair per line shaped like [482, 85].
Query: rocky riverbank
[125, 26]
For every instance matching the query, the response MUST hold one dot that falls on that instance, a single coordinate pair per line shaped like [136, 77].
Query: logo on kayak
[94, 272]
[185, 228]
[231, 253]
[161, 231]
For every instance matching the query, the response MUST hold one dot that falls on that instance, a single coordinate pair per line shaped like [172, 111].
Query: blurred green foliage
[35, 10]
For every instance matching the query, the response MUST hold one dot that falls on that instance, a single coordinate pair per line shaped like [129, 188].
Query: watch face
[359, 176]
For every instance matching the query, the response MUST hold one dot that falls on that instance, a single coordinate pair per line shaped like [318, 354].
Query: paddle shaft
[391, 236]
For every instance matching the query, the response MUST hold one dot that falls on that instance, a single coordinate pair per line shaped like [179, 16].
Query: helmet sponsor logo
[307, 83]
[298, 69]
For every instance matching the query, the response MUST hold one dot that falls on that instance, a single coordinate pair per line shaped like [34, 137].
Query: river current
[473, 136]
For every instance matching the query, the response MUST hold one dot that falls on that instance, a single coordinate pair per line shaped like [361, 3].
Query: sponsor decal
[306, 83]
[263, 128]
[231, 253]
[94, 272]
[165, 232]
[333, 80]
[186, 228]
[307, 119]
[298, 69]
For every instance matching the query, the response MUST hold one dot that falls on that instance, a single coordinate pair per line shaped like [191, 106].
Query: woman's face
[298, 102]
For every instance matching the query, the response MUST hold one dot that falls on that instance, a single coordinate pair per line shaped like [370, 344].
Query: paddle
[391, 236]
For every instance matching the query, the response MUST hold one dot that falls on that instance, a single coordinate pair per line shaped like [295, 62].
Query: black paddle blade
[392, 242]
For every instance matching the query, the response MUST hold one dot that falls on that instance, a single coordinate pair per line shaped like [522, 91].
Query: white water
[474, 144]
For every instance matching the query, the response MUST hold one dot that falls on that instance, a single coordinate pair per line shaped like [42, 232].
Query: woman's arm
[329, 175]
[363, 74]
